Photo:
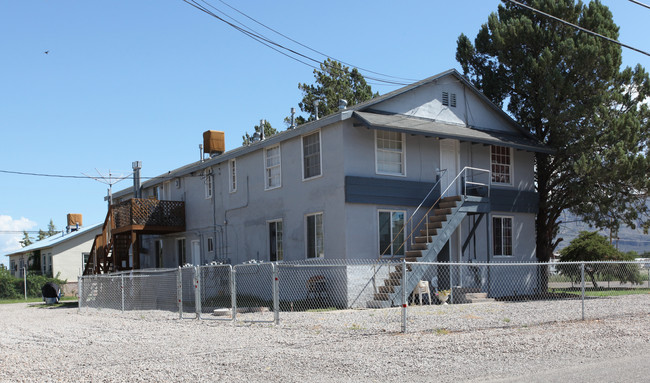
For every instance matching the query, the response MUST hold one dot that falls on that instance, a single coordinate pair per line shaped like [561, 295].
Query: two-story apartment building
[349, 186]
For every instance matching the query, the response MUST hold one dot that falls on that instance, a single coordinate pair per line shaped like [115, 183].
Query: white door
[196, 253]
[449, 153]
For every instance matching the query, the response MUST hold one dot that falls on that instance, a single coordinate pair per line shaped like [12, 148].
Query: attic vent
[445, 98]
[452, 101]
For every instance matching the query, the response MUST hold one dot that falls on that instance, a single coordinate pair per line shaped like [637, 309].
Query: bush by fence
[14, 288]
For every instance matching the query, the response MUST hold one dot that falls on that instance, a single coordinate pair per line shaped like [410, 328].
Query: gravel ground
[479, 342]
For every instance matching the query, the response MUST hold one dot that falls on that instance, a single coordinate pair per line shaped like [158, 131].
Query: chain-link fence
[344, 295]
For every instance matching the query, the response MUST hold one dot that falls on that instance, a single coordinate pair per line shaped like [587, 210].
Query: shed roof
[54, 240]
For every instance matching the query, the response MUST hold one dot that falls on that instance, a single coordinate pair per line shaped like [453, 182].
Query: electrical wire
[639, 3]
[82, 176]
[311, 49]
[578, 27]
[268, 42]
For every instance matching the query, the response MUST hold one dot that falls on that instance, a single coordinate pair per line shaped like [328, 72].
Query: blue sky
[128, 80]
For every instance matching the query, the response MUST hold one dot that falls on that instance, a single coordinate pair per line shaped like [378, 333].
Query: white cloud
[10, 242]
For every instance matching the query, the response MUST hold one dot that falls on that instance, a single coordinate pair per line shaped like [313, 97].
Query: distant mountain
[628, 239]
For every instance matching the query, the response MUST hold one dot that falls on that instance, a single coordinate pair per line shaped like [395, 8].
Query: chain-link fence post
[451, 284]
[179, 292]
[79, 293]
[122, 289]
[582, 286]
[233, 292]
[404, 296]
[276, 293]
[197, 291]
[648, 276]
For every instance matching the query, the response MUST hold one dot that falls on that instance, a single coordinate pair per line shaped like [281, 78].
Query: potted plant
[443, 296]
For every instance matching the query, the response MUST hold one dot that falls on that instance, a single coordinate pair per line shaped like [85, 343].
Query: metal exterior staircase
[434, 233]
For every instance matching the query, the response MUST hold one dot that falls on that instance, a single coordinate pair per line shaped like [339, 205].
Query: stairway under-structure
[428, 237]
[117, 247]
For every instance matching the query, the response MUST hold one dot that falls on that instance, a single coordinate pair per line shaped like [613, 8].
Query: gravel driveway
[58, 344]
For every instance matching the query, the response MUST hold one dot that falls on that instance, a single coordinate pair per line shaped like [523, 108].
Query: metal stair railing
[465, 182]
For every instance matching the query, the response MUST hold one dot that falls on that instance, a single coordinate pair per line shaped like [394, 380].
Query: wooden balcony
[148, 216]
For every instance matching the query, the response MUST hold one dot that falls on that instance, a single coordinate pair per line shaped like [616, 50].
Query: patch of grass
[591, 292]
[355, 326]
[507, 320]
[442, 331]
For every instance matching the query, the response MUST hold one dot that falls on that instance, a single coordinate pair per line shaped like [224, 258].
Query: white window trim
[512, 168]
[268, 237]
[209, 186]
[320, 155]
[266, 180]
[403, 174]
[184, 249]
[391, 211]
[232, 176]
[307, 234]
[512, 227]
[210, 245]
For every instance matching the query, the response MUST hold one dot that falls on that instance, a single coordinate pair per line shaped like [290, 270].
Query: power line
[268, 42]
[640, 3]
[307, 47]
[80, 177]
[579, 27]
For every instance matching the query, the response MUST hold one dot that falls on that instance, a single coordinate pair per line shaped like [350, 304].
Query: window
[391, 232]
[445, 98]
[159, 253]
[44, 264]
[502, 235]
[210, 245]
[49, 263]
[276, 250]
[180, 251]
[452, 100]
[233, 175]
[273, 168]
[501, 160]
[311, 160]
[389, 152]
[315, 244]
[208, 186]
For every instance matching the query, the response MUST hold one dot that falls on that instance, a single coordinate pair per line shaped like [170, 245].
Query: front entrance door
[449, 161]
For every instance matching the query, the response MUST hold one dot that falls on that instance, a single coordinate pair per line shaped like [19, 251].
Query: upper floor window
[233, 175]
[389, 148]
[502, 236]
[208, 186]
[273, 169]
[311, 159]
[501, 162]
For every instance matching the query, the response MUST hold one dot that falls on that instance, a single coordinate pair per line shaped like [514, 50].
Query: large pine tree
[566, 88]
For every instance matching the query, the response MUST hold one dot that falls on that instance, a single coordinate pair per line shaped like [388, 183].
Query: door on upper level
[449, 161]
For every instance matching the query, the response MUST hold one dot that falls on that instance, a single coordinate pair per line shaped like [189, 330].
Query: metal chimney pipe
[293, 120]
[316, 102]
[343, 104]
[137, 192]
[201, 152]
[262, 123]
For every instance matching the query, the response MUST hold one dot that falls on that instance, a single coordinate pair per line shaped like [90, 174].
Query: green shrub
[13, 288]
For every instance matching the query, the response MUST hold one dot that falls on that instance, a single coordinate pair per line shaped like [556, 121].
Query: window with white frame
[311, 158]
[208, 186]
[276, 249]
[315, 239]
[210, 245]
[389, 152]
[501, 162]
[272, 167]
[502, 235]
[180, 251]
[232, 164]
[391, 232]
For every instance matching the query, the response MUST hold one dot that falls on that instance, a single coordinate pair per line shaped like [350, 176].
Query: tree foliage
[333, 82]
[593, 247]
[27, 240]
[565, 87]
[268, 132]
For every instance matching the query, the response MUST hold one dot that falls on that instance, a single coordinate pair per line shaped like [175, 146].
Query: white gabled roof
[55, 240]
